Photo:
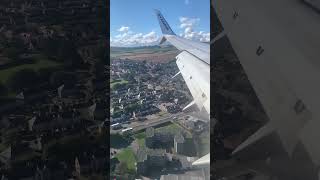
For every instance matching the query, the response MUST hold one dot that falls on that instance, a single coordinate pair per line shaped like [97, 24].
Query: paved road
[138, 126]
[157, 122]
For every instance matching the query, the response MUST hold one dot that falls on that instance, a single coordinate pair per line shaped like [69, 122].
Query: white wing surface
[193, 62]
[194, 65]
[277, 43]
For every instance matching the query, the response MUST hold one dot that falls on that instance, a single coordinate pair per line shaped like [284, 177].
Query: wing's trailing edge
[203, 161]
[288, 94]
[262, 132]
[193, 62]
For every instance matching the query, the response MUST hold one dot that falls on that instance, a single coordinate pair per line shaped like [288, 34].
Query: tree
[113, 163]
[131, 107]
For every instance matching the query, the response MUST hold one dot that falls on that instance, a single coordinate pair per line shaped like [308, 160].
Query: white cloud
[189, 24]
[128, 38]
[188, 30]
[124, 29]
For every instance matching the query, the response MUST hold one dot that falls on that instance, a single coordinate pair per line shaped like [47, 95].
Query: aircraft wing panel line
[196, 76]
[279, 90]
[202, 161]
[194, 65]
[199, 50]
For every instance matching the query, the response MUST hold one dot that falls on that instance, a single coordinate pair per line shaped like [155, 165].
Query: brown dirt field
[150, 55]
[157, 57]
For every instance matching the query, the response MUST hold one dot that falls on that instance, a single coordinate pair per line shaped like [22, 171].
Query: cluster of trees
[132, 107]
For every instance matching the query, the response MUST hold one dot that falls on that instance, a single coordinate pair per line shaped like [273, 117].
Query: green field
[113, 83]
[41, 63]
[171, 128]
[141, 139]
[140, 135]
[127, 156]
[204, 143]
[142, 142]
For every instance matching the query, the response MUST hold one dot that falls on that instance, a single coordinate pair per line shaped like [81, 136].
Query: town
[151, 137]
[53, 90]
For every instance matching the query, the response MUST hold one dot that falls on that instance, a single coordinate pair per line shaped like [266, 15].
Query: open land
[152, 54]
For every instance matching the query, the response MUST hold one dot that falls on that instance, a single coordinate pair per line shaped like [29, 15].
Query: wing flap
[195, 74]
[203, 161]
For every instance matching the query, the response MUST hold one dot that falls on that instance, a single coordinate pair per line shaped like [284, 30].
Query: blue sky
[133, 22]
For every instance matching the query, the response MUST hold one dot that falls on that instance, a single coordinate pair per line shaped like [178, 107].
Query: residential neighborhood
[53, 90]
[151, 137]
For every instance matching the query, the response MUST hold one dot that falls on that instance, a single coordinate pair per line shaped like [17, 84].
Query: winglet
[165, 28]
[163, 39]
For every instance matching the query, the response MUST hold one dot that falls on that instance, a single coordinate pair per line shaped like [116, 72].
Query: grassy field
[204, 144]
[161, 113]
[171, 128]
[140, 135]
[142, 142]
[41, 63]
[127, 156]
[141, 139]
[113, 83]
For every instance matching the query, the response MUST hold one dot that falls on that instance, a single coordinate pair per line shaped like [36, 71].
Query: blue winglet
[165, 28]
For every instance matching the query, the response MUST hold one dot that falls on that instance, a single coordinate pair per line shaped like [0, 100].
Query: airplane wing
[193, 62]
[277, 43]
[194, 65]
